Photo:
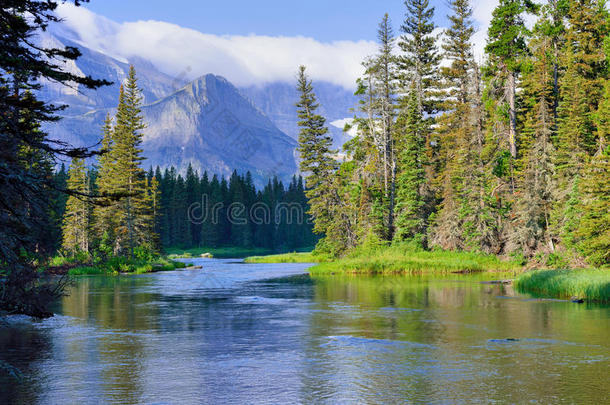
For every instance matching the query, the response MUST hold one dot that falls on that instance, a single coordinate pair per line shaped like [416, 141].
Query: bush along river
[268, 333]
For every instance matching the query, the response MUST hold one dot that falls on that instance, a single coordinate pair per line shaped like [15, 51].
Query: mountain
[277, 101]
[208, 122]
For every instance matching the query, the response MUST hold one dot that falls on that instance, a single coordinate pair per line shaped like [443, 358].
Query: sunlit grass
[590, 284]
[397, 259]
[402, 259]
[304, 257]
[123, 265]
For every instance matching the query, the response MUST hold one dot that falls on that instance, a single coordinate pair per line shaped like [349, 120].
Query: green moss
[589, 284]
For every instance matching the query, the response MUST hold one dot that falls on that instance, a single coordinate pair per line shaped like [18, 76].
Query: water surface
[237, 333]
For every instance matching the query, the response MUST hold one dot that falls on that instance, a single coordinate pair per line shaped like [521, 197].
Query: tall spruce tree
[581, 89]
[317, 163]
[507, 49]
[133, 225]
[77, 214]
[455, 131]
[411, 220]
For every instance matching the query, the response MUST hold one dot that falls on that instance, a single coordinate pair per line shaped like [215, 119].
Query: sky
[325, 20]
[248, 42]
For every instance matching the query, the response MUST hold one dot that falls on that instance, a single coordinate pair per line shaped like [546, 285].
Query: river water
[265, 333]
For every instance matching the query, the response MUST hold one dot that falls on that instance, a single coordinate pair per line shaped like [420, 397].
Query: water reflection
[232, 333]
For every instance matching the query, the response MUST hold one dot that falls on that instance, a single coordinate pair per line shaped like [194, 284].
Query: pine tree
[594, 228]
[411, 221]
[529, 231]
[454, 130]
[77, 215]
[581, 89]
[130, 179]
[104, 215]
[317, 163]
[419, 72]
[507, 49]
[419, 65]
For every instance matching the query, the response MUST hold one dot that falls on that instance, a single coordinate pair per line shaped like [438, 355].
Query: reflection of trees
[23, 347]
[110, 303]
[410, 338]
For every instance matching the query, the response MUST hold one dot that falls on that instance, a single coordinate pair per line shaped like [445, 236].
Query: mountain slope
[277, 101]
[208, 124]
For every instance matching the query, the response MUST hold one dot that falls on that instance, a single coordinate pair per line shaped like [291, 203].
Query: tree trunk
[512, 130]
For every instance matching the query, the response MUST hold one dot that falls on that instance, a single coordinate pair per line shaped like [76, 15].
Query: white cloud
[243, 60]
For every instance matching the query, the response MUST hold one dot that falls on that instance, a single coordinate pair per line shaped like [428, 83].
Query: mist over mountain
[208, 122]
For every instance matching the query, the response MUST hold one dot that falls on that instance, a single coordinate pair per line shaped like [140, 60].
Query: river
[266, 333]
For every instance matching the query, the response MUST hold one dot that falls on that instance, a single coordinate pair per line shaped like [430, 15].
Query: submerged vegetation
[587, 284]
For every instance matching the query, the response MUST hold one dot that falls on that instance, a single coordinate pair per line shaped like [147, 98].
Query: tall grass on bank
[403, 259]
[590, 284]
[116, 265]
[305, 257]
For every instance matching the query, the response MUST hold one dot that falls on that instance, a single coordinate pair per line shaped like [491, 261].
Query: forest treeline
[509, 157]
[195, 211]
[118, 209]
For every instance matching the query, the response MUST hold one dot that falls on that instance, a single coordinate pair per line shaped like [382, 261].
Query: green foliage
[28, 190]
[314, 148]
[76, 225]
[124, 265]
[591, 285]
[411, 217]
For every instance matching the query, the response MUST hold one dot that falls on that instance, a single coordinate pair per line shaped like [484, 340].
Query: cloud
[243, 60]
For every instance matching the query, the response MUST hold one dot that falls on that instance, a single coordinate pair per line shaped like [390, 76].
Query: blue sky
[248, 42]
[324, 20]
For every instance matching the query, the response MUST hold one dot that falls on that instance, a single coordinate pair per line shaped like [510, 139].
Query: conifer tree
[507, 48]
[454, 130]
[104, 215]
[76, 218]
[594, 227]
[314, 147]
[419, 65]
[529, 230]
[130, 179]
[581, 89]
[411, 221]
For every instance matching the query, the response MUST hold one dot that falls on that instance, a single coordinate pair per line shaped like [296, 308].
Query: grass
[223, 252]
[589, 284]
[396, 259]
[115, 266]
[294, 257]
[403, 259]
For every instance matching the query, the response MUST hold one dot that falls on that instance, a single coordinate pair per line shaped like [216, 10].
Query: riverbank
[220, 253]
[294, 257]
[398, 259]
[583, 284]
[114, 266]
